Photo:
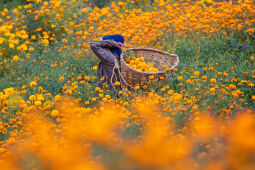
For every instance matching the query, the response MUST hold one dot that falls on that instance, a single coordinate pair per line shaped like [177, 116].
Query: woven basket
[131, 76]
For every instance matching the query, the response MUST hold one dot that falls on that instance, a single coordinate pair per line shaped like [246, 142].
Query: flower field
[53, 116]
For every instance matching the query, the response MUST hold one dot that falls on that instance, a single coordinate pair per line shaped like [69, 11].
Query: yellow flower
[40, 97]
[32, 97]
[57, 98]
[45, 42]
[175, 69]
[137, 87]
[38, 103]
[54, 113]
[212, 90]
[120, 3]
[213, 80]
[95, 67]
[64, 41]
[69, 91]
[11, 45]
[33, 84]
[179, 78]
[15, 58]
[33, 37]
[140, 64]
[1, 40]
[151, 77]
[117, 83]
[232, 86]
[168, 69]
[61, 79]
[84, 10]
[196, 73]
[97, 89]
[204, 77]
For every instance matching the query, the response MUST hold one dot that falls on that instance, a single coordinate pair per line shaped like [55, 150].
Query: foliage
[53, 116]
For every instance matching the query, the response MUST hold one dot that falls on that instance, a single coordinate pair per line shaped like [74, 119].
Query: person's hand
[120, 45]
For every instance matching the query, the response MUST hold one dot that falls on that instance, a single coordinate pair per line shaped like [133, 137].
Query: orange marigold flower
[32, 84]
[61, 79]
[179, 78]
[117, 83]
[196, 73]
[54, 113]
[213, 80]
[204, 77]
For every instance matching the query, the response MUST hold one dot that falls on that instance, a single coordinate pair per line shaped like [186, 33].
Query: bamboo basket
[132, 77]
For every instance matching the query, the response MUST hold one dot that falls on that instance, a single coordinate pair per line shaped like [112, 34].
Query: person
[108, 50]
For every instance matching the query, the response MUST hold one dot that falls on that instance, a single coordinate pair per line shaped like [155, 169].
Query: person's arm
[100, 48]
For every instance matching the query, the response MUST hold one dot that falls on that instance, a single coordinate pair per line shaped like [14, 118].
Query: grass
[10, 4]
[226, 51]
[215, 75]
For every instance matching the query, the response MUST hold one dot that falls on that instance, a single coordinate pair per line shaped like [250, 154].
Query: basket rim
[150, 49]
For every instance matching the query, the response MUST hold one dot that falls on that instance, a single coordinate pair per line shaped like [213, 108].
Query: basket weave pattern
[158, 58]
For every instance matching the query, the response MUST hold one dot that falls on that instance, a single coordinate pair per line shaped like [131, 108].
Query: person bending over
[108, 50]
